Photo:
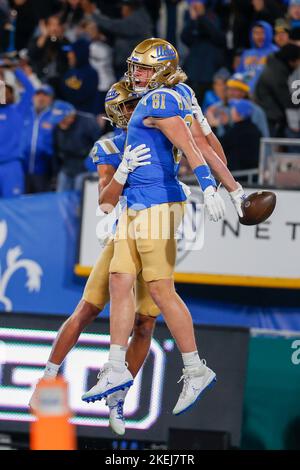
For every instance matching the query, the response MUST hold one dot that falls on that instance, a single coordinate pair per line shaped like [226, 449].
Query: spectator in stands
[295, 36]
[282, 32]
[254, 59]
[37, 141]
[27, 68]
[128, 31]
[11, 125]
[71, 15]
[241, 21]
[218, 92]
[46, 51]
[111, 9]
[219, 115]
[246, 12]
[26, 21]
[241, 141]
[237, 89]
[80, 83]
[272, 90]
[237, 59]
[101, 58]
[206, 42]
[74, 137]
[3, 26]
[46, 8]
[293, 14]
[267, 10]
[153, 8]
[90, 10]
[4, 7]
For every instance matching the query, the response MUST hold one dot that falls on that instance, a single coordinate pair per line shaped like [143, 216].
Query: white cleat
[196, 380]
[110, 380]
[115, 402]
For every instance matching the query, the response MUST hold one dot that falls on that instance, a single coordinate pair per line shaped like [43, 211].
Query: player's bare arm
[109, 189]
[176, 130]
[132, 159]
[212, 158]
[216, 145]
[212, 139]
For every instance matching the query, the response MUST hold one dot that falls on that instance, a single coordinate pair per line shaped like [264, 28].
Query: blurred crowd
[58, 58]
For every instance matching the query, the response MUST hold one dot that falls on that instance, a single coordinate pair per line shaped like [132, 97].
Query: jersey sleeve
[163, 104]
[198, 114]
[106, 152]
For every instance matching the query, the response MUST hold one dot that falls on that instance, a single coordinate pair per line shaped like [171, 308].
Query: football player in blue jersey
[107, 155]
[155, 200]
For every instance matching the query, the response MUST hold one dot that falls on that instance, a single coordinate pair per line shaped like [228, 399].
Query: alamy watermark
[296, 94]
[296, 354]
[159, 222]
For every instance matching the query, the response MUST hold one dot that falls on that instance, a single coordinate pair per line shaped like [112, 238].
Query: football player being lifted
[164, 121]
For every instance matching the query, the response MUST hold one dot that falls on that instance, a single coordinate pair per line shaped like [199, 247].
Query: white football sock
[51, 370]
[191, 359]
[117, 355]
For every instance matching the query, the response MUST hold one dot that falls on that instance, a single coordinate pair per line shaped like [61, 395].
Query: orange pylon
[52, 429]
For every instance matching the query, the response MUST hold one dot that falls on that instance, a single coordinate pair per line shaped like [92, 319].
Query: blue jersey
[37, 141]
[157, 183]
[12, 120]
[109, 151]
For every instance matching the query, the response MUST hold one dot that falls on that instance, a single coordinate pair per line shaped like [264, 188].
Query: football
[258, 207]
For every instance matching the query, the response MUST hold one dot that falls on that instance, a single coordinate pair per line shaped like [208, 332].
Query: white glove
[106, 224]
[237, 197]
[214, 204]
[131, 160]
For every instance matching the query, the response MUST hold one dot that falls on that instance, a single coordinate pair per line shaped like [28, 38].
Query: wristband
[204, 177]
[120, 175]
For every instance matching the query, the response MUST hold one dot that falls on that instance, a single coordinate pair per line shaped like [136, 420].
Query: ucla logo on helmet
[165, 53]
[111, 95]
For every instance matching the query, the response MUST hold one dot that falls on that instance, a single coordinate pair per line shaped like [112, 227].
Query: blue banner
[38, 251]
[38, 236]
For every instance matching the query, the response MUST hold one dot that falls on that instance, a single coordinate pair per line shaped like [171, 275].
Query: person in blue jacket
[37, 140]
[80, 83]
[74, 137]
[219, 114]
[253, 60]
[11, 122]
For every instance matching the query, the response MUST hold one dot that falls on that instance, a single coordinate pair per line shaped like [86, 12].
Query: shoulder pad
[108, 146]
